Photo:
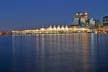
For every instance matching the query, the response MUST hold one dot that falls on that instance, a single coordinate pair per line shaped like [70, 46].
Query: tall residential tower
[81, 19]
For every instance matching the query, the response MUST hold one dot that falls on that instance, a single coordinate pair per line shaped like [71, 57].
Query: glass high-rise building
[81, 19]
[105, 20]
[75, 21]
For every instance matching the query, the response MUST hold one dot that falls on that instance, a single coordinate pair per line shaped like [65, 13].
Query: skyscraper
[92, 23]
[81, 19]
[105, 21]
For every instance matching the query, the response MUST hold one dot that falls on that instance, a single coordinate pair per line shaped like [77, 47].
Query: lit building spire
[62, 28]
[54, 27]
[58, 27]
[66, 27]
[50, 27]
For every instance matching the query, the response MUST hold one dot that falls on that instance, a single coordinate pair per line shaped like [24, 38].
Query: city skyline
[30, 14]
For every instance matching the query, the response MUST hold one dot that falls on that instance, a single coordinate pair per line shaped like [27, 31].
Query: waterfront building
[58, 27]
[54, 27]
[50, 28]
[66, 28]
[81, 19]
[92, 23]
[81, 23]
[98, 23]
[76, 21]
[84, 20]
[62, 27]
[105, 21]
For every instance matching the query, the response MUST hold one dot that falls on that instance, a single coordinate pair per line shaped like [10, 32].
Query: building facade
[105, 21]
[81, 19]
[92, 23]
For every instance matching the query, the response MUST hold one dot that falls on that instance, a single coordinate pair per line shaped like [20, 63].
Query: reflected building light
[13, 45]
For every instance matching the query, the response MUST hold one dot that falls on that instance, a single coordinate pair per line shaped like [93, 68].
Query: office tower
[98, 23]
[92, 23]
[105, 21]
[75, 21]
[84, 20]
[81, 19]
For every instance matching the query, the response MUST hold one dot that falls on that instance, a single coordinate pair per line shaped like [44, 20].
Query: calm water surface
[77, 52]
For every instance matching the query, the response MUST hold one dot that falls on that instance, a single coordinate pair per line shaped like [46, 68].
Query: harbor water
[76, 52]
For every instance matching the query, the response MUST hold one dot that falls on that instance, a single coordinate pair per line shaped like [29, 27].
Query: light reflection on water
[77, 52]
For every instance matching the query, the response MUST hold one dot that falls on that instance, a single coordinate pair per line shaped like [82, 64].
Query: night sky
[28, 14]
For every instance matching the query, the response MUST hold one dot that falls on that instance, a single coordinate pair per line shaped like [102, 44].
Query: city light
[81, 23]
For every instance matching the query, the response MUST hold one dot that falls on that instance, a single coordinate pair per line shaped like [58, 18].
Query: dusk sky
[23, 14]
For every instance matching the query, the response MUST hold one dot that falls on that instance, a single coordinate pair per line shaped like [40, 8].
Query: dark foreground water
[54, 53]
